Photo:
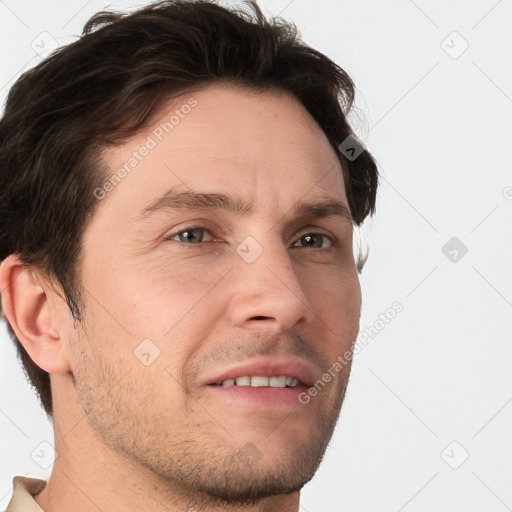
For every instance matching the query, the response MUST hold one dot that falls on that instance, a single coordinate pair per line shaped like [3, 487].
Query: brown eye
[314, 240]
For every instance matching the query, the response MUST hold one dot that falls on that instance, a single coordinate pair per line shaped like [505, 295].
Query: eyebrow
[174, 199]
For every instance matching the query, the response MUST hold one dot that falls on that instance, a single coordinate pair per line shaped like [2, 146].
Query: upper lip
[290, 366]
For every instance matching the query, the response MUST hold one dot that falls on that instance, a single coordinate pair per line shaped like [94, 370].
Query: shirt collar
[24, 488]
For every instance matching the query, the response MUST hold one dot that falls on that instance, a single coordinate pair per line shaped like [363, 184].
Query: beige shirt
[24, 489]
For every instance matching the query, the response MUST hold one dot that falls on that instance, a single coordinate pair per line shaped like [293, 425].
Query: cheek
[176, 302]
[337, 301]
[164, 294]
[168, 291]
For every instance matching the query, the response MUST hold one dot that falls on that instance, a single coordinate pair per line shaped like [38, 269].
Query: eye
[313, 240]
[193, 234]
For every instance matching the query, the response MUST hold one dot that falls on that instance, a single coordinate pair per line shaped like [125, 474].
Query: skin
[135, 437]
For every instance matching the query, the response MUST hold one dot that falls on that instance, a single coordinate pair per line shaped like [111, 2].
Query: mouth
[260, 396]
[263, 383]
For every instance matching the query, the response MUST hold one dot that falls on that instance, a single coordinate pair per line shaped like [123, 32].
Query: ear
[27, 306]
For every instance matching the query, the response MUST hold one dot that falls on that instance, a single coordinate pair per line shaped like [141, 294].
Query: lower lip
[261, 396]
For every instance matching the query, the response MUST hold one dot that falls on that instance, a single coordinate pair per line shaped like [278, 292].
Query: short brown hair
[103, 88]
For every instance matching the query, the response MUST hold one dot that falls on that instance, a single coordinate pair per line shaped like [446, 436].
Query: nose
[269, 292]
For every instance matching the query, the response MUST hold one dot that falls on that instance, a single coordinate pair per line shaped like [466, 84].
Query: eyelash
[332, 239]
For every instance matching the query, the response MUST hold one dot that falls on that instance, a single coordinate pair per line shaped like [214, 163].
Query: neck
[88, 475]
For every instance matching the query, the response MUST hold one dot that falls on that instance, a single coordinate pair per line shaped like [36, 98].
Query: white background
[441, 130]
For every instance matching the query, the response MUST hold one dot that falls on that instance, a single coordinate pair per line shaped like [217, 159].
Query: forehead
[229, 138]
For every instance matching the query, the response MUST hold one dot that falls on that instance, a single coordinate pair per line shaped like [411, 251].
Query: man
[177, 273]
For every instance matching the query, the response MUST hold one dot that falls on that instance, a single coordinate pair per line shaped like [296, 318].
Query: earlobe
[26, 306]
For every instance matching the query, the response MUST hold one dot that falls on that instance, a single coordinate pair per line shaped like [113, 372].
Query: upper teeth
[260, 381]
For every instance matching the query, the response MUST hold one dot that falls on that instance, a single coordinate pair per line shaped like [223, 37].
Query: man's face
[178, 298]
